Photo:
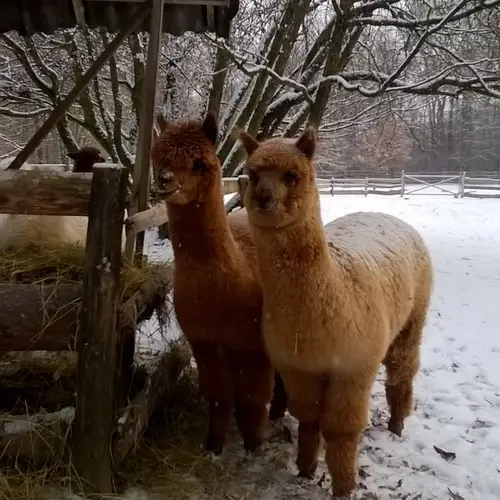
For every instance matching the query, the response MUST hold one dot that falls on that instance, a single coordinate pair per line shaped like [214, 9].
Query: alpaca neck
[285, 252]
[200, 230]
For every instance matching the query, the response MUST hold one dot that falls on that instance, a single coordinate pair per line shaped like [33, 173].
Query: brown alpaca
[217, 291]
[336, 305]
[85, 159]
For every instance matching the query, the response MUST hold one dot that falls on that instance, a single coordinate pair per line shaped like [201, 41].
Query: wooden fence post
[402, 183]
[332, 182]
[242, 187]
[366, 186]
[95, 416]
[461, 184]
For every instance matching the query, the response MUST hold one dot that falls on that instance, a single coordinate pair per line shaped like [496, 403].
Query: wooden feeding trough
[105, 427]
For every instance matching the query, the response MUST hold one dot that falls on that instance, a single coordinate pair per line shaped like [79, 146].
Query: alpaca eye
[198, 166]
[253, 177]
[290, 178]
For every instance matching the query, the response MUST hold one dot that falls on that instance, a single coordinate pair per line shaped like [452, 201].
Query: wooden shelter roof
[33, 16]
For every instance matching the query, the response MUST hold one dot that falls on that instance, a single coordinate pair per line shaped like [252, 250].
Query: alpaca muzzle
[265, 200]
[164, 183]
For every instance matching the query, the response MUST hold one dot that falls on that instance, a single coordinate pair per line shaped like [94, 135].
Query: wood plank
[202, 3]
[44, 193]
[132, 22]
[140, 187]
[97, 340]
[153, 217]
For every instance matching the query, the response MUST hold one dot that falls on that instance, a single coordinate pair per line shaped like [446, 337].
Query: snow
[457, 391]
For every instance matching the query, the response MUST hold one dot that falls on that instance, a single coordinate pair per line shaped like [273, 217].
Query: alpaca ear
[250, 143]
[306, 143]
[210, 127]
[161, 121]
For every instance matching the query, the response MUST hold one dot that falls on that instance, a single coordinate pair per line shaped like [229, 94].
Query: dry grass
[37, 264]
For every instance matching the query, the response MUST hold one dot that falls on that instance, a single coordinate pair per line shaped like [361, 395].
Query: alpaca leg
[253, 391]
[402, 362]
[343, 421]
[217, 386]
[305, 401]
[279, 402]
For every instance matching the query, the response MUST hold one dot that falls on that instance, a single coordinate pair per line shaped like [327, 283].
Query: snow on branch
[400, 22]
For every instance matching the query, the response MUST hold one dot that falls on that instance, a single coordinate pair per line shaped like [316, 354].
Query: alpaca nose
[165, 178]
[264, 199]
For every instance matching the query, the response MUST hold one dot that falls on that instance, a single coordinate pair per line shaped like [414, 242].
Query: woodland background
[391, 84]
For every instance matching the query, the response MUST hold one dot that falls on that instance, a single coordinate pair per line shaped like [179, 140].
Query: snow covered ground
[457, 391]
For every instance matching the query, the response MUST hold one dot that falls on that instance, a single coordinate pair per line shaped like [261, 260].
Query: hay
[39, 264]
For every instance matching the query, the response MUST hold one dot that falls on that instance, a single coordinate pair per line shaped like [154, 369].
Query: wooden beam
[44, 193]
[202, 3]
[95, 416]
[140, 187]
[135, 19]
[153, 217]
[79, 13]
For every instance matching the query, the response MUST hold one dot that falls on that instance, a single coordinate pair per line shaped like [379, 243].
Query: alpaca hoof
[252, 444]
[276, 413]
[396, 427]
[306, 475]
[309, 472]
[213, 447]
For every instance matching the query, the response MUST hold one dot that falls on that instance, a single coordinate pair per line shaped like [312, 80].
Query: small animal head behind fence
[85, 159]
[184, 159]
[281, 178]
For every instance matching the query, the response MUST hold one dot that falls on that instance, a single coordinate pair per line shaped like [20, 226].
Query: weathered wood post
[367, 182]
[242, 187]
[461, 185]
[95, 416]
[332, 182]
[402, 183]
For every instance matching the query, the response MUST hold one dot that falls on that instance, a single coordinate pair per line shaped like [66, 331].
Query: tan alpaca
[336, 305]
[19, 230]
[217, 291]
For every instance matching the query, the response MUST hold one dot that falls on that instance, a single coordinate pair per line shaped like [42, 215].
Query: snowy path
[457, 390]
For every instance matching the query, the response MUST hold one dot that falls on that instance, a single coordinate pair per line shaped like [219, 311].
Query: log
[38, 317]
[44, 193]
[97, 340]
[138, 307]
[135, 418]
[44, 318]
[35, 438]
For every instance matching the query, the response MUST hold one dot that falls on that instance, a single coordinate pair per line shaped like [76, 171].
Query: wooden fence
[106, 424]
[458, 185]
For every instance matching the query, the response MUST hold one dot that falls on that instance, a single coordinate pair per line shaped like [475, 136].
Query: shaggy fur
[18, 231]
[336, 305]
[217, 291]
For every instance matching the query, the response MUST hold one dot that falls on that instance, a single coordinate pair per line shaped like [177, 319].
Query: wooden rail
[414, 184]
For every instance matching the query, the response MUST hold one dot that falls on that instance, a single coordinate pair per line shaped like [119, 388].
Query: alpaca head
[185, 163]
[85, 159]
[281, 188]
